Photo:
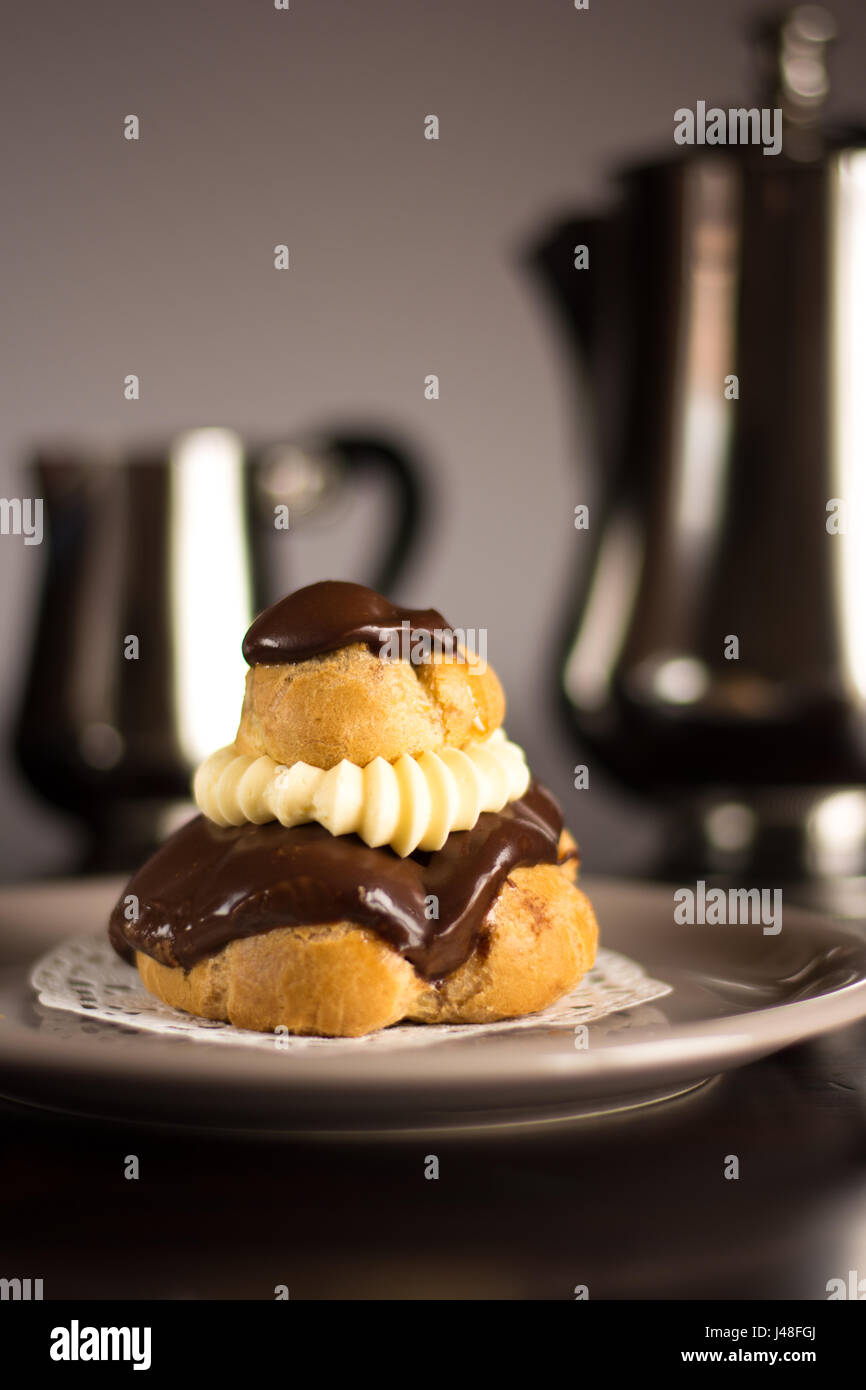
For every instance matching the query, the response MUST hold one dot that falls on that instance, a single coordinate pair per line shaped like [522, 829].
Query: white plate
[737, 994]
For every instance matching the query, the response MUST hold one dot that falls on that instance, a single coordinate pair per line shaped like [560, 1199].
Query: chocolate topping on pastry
[323, 617]
[208, 885]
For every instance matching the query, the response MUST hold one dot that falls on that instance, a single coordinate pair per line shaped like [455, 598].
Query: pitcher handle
[372, 454]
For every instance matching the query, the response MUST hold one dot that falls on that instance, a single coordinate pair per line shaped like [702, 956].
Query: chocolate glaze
[325, 616]
[207, 885]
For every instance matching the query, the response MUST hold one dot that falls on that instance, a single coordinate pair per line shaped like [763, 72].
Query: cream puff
[371, 847]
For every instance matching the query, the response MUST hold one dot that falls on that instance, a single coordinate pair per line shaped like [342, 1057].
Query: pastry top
[340, 673]
[331, 614]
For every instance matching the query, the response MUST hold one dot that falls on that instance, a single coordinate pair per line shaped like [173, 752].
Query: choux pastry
[371, 848]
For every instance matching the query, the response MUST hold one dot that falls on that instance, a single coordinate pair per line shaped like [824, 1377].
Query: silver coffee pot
[716, 653]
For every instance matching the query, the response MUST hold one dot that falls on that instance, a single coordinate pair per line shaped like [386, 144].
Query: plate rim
[687, 1049]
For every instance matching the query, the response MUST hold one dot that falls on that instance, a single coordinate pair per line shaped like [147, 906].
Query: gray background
[307, 127]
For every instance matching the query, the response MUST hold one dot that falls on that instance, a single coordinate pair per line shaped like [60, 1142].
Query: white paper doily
[85, 976]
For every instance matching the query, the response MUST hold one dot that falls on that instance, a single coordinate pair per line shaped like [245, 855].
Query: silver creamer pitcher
[156, 563]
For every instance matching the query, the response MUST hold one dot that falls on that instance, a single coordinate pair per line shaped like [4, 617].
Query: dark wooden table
[635, 1206]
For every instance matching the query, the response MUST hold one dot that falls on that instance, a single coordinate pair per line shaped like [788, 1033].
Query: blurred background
[408, 257]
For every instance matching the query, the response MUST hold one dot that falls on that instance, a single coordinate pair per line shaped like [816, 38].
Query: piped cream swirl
[413, 803]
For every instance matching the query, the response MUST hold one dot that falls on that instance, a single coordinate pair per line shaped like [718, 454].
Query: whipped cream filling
[413, 803]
